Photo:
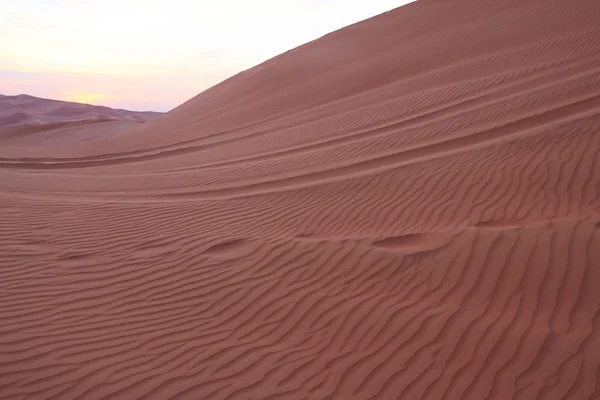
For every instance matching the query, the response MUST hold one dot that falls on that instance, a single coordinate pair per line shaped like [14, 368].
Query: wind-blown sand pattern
[407, 208]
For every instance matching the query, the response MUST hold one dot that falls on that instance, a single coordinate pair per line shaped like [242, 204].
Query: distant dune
[407, 208]
[24, 110]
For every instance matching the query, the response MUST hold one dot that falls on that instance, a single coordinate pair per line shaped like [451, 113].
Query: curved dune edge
[28, 113]
[408, 208]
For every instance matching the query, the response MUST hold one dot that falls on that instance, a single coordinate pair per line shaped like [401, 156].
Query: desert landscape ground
[407, 208]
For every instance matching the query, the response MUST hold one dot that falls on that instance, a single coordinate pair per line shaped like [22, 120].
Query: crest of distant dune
[24, 110]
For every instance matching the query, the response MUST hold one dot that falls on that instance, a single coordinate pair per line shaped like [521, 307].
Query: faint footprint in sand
[231, 249]
[498, 224]
[76, 260]
[501, 224]
[326, 239]
[411, 244]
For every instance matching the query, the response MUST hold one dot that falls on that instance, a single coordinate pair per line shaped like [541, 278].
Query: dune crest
[407, 208]
[24, 111]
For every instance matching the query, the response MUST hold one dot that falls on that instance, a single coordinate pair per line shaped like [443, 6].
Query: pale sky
[154, 54]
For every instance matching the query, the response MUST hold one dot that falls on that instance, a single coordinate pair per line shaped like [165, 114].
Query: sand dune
[24, 111]
[407, 208]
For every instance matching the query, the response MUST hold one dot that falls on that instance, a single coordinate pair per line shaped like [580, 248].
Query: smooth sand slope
[60, 134]
[407, 208]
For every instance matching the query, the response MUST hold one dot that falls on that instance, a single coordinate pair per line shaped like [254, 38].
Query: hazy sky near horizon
[154, 55]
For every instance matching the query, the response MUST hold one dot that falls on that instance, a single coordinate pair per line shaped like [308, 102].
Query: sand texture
[408, 208]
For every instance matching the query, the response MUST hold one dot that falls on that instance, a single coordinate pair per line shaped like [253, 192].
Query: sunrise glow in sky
[154, 55]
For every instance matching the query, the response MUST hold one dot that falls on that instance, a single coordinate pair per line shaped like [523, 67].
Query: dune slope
[407, 208]
[36, 138]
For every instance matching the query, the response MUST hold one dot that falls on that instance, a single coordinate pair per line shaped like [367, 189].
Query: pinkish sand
[407, 208]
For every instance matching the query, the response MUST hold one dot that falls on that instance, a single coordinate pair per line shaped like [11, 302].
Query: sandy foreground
[408, 208]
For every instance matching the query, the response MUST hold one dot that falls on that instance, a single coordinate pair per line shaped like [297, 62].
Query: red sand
[407, 208]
